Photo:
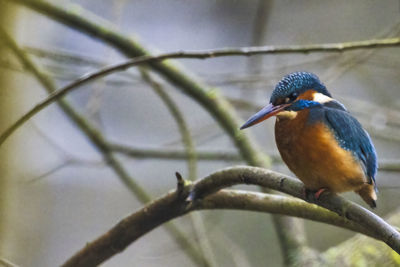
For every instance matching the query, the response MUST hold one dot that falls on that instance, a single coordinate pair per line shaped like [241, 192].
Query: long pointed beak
[265, 113]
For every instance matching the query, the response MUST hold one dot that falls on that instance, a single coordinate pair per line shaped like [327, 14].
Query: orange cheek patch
[307, 95]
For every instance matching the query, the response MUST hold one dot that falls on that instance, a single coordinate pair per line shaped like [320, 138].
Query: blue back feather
[349, 134]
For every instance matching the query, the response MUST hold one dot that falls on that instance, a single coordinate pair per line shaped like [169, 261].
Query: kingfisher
[319, 140]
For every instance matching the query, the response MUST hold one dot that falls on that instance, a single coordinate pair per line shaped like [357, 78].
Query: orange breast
[312, 153]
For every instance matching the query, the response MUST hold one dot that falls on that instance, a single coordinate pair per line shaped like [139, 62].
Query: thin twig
[389, 165]
[352, 60]
[246, 51]
[174, 154]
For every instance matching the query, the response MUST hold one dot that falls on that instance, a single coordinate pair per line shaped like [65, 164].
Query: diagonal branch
[190, 150]
[99, 142]
[191, 158]
[7, 263]
[175, 204]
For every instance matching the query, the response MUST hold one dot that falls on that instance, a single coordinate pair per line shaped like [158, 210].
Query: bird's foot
[319, 192]
[312, 195]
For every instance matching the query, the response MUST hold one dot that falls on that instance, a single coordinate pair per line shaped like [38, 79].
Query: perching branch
[361, 247]
[285, 184]
[175, 204]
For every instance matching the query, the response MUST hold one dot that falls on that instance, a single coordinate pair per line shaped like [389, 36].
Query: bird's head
[296, 91]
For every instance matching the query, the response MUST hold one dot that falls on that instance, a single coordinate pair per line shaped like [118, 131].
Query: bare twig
[390, 165]
[352, 60]
[258, 32]
[246, 51]
[259, 26]
[78, 19]
[69, 162]
[95, 137]
[173, 154]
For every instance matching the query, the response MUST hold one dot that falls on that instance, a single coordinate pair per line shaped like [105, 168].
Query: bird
[319, 140]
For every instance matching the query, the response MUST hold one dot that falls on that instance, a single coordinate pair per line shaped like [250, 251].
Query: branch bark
[342, 213]
[360, 250]
[285, 184]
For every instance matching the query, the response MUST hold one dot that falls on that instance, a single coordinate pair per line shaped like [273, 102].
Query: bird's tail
[367, 192]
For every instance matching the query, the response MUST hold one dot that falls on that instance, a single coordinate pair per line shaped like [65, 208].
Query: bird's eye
[292, 97]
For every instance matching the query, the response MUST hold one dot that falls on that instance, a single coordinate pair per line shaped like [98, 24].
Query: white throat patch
[286, 115]
[321, 98]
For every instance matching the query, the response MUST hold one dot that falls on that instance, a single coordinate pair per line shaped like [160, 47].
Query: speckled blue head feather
[298, 82]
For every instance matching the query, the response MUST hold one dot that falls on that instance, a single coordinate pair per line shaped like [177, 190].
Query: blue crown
[298, 82]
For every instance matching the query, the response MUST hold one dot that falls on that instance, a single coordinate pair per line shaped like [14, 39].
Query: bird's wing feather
[335, 105]
[351, 136]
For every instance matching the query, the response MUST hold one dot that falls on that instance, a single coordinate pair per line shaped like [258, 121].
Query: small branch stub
[180, 183]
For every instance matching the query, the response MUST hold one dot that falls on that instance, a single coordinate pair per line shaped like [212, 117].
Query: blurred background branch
[247, 51]
[191, 158]
[129, 123]
[97, 140]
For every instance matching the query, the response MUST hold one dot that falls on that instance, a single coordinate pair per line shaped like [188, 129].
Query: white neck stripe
[321, 98]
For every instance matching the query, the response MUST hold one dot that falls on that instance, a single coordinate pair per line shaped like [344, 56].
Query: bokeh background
[58, 194]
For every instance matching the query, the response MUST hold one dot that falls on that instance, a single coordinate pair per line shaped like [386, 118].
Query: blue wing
[351, 136]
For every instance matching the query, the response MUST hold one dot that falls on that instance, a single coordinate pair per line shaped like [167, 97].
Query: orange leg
[315, 194]
[319, 192]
